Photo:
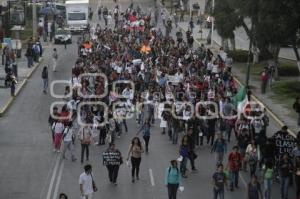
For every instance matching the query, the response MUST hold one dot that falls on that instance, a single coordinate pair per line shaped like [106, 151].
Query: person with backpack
[234, 166]
[268, 172]
[85, 137]
[173, 179]
[219, 182]
[54, 58]
[220, 148]
[135, 151]
[254, 189]
[69, 139]
[45, 79]
[58, 128]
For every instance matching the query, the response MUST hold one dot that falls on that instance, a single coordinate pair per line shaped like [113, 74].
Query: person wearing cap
[173, 179]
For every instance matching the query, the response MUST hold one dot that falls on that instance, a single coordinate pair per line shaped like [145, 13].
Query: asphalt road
[29, 168]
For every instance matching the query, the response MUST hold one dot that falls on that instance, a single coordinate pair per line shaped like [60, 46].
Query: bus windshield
[76, 16]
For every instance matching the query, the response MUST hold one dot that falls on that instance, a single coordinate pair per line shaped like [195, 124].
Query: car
[63, 36]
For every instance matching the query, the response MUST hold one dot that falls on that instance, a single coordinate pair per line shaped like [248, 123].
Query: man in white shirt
[87, 186]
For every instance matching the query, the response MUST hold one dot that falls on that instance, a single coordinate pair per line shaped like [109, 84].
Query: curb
[18, 90]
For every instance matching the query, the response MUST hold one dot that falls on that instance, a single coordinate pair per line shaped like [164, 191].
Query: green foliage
[273, 21]
[239, 55]
[288, 69]
[287, 89]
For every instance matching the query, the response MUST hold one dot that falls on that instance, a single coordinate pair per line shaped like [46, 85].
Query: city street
[30, 170]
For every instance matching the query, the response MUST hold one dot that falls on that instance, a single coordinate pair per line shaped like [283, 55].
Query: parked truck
[77, 15]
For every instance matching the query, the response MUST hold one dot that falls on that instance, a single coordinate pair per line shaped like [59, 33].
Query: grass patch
[285, 92]
[287, 68]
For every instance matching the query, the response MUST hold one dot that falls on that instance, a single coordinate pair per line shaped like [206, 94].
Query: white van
[77, 14]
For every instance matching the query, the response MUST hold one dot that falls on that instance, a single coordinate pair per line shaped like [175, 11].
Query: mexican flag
[240, 99]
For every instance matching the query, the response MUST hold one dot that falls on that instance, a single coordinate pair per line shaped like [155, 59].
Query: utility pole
[248, 61]
[34, 22]
[212, 25]
[190, 9]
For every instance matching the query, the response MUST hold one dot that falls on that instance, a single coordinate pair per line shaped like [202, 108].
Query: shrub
[288, 69]
[239, 55]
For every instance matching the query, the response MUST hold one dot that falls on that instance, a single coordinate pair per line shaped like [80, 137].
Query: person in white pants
[54, 58]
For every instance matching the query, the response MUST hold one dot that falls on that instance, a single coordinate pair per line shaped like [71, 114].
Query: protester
[69, 139]
[45, 79]
[220, 148]
[219, 182]
[63, 196]
[112, 159]
[145, 128]
[296, 107]
[268, 172]
[254, 189]
[54, 59]
[87, 183]
[234, 165]
[173, 179]
[285, 169]
[135, 151]
[85, 137]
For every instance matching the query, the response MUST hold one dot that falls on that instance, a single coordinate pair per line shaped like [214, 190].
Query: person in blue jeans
[219, 182]
[173, 179]
[183, 151]
[268, 172]
[285, 169]
[145, 128]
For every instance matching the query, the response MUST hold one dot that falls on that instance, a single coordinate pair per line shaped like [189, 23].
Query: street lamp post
[248, 61]
[212, 25]
[34, 22]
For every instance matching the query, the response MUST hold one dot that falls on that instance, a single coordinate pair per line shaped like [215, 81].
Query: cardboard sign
[284, 143]
[111, 158]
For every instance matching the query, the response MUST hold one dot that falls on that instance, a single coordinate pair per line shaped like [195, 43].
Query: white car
[63, 36]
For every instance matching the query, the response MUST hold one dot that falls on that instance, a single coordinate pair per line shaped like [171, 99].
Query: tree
[268, 23]
[226, 21]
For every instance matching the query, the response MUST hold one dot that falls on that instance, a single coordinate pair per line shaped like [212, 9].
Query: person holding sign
[112, 159]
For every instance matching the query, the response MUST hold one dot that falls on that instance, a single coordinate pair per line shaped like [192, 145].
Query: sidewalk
[273, 107]
[24, 73]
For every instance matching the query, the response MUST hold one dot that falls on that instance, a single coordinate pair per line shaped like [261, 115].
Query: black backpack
[44, 74]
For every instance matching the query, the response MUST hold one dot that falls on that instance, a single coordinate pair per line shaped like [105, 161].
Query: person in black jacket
[191, 148]
[296, 107]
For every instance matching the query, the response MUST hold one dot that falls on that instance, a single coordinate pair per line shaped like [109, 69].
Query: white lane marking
[48, 176]
[61, 168]
[243, 180]
[53, 177]
[151, 177]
